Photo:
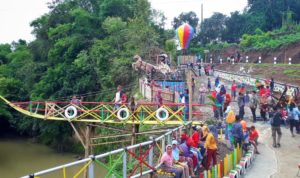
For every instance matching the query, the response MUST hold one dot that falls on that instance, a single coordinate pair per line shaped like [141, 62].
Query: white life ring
[120, 117]
[158, 114]
[71, 108]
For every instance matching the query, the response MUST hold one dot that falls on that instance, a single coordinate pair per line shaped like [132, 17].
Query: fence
[173, 85]
[224, 166]
[248, 80]
[184, 60]
[149, 92]
[143, 158]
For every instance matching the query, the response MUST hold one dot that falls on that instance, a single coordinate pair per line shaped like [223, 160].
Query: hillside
[282, 44]
[282, 53]
[282, 73]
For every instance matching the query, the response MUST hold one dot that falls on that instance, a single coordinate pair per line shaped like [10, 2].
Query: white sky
[16, 15]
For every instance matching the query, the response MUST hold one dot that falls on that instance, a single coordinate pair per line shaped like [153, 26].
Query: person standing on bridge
[199, 68]
[158, 98]
[233, 90]
[253, 105]
[217, 81]
[193, 85]
[294, 118]
[186, 104]
[241, 104]
[222, 90]
[75, 101]
[219, 104]
[263, 107]
[117, 100]
[275, 123]
[208, 84]
[272, 85]
[202, 94]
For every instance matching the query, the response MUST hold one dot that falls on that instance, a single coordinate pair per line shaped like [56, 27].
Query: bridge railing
[293, 90]
[131, 161]
[108, 112]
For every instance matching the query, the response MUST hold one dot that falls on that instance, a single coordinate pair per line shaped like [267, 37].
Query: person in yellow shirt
[211, 147]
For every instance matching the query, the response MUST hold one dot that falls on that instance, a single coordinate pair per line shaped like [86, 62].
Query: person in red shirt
[253, 138]
[262, 91]
[227, 101]
[233, 89]
[214, 107]
[184, 136]
[242, 89]
[124, 98]
[196, 137]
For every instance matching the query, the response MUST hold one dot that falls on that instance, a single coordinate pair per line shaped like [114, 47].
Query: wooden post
[190, 94]
[87, 146]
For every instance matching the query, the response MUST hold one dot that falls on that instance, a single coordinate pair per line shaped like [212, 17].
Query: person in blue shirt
[237, 131]
[208, 84]
[294, 118]
[217, 81]
[219, 104]
[186, 104]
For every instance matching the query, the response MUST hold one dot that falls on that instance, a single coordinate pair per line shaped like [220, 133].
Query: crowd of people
[187, 153]
[200, 149]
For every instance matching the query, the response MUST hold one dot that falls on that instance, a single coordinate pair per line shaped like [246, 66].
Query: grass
[293, 73]
[274, 65]
[289, 71]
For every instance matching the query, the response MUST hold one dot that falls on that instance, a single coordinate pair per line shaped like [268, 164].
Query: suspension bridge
[146, 113]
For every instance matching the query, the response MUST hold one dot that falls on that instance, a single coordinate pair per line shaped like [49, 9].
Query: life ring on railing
[73, 109]
[121, 116]
[159, 113]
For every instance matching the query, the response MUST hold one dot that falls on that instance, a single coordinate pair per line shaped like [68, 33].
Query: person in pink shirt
[268, 91]
[167, 163]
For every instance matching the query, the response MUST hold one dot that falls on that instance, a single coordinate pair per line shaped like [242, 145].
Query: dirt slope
[282, 73]
[282, 53]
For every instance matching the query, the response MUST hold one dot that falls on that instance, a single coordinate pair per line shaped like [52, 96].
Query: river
[20, 157]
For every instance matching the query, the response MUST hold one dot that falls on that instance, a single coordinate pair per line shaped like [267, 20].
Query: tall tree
[213, 28]
[189, 17]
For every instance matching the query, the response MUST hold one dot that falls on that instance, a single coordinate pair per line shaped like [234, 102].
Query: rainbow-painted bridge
[106, 112]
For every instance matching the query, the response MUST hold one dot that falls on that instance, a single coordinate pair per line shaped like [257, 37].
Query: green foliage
[293, 73]
[189, 17]
[213, 28]
[170, 47]
[269, 40]
[81, 47]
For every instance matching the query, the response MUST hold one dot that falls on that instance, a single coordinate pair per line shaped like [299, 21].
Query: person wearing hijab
[181, 160]
[210, 146]
[222, 90]
[168, 164]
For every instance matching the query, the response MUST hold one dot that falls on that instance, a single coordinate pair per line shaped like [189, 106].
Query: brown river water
[20, 157]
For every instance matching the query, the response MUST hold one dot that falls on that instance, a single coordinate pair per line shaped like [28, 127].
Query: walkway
[272, 162]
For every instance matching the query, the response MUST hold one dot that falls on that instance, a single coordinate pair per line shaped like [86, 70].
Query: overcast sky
[16, 15]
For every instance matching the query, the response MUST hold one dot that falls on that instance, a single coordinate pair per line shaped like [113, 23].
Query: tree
[235, 27]
[5, 49]
[189, 17]
[213, 28]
